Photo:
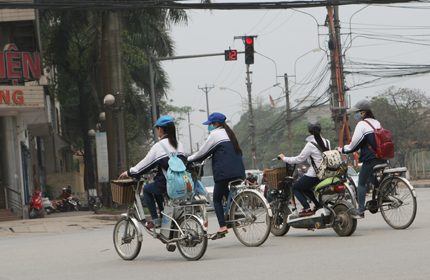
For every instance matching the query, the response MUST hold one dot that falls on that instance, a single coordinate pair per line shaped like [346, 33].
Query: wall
[60, 180]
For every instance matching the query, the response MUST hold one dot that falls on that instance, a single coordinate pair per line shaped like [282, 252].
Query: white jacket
[310, 150]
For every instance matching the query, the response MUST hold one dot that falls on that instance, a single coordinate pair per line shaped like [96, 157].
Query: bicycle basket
[274, 176]
[122, 191]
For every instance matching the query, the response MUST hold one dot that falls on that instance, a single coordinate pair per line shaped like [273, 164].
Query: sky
[292, 42]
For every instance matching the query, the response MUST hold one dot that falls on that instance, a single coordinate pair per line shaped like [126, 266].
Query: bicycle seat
[236, 182]
[380, 166]
[192, 202]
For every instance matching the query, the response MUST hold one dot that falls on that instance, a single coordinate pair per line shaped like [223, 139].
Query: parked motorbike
[36, 206]
[334, 194]
[94, 203]
[47, 205]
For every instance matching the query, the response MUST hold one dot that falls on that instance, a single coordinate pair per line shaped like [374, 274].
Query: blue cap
[163, 121]
[215, 117]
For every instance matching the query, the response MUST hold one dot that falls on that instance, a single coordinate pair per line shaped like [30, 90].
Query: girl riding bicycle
[227, 162]
[363, 139]
[157, 157]
[302, 187]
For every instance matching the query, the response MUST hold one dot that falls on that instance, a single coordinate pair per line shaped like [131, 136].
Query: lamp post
[109, 102]
[295, 63]
[241, 97]
[275, 85]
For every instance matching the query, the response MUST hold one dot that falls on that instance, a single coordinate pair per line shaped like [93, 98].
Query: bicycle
[246, 210]
[180, 224]
[394, 196]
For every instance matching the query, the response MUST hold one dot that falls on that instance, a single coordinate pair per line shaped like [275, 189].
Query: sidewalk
[75, 221]
[421, 183]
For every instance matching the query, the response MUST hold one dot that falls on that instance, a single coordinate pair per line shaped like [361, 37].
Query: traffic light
[249, 50]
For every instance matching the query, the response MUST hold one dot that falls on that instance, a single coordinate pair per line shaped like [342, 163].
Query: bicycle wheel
[251, 220]
[279, 226]
[398, 203]
[194, 246]
[125, 239]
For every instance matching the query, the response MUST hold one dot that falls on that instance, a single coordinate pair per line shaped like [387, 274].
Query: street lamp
[241, 97]
[109, 102]
[275, 85]
[295, 63]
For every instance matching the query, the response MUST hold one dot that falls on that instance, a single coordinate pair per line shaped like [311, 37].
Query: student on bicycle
[157, 157]
[302, 187]
[363, 138]
[227, 162]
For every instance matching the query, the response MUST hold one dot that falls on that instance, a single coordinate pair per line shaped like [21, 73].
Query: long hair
[170, 130]
[316, 132]
[232, 137]
[369, 114]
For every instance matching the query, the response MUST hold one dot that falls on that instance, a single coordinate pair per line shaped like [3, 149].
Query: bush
[48, 191]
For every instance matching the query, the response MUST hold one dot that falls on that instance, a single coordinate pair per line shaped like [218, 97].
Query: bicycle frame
[178, 211]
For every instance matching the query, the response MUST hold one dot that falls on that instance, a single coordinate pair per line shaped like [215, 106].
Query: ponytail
[316, 132]
[170, 130]
[232, 137]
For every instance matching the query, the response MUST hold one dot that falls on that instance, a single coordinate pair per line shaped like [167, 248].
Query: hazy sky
[288, 42]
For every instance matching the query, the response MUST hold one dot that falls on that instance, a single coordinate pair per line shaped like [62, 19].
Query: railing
[14, 203]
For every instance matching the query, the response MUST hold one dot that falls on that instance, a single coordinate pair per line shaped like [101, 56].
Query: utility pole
[251, 117]
[338, 104]
[206, 89]
[290, 133]
[189, 131]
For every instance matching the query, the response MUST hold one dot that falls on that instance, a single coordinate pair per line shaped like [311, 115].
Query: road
[375, 251]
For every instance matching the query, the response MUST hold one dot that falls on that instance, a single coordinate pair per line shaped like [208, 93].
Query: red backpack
[384, 144]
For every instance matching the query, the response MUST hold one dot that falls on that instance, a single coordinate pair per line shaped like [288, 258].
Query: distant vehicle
[208, 183]
[353, 174]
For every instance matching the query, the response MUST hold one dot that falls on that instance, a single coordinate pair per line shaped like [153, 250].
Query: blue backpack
[179, 181]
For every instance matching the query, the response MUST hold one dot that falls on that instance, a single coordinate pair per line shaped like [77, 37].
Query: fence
[419, 165]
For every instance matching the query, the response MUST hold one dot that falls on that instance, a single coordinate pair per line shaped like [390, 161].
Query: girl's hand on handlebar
[281, 157]
[339, 149]
[123, 174]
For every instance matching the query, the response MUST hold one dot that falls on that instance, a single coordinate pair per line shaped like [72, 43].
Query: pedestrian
[157, 157]
[227, 162]
[303, 187]
[362, 139]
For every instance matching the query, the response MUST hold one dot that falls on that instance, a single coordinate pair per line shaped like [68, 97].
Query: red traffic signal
[249, 50]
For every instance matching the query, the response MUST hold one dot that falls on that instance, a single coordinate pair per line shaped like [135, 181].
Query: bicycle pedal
[171, 247]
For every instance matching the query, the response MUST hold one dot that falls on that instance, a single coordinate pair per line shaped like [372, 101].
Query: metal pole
[189, 130]
[153, 101]
[118, 141]
[251, 118]
[290, 133]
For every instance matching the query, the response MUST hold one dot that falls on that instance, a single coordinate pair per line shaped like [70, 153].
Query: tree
[405, 113]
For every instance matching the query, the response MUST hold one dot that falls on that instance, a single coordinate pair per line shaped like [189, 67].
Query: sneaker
[308, 212]
[150, 224]
[157, 223]
[359, 215]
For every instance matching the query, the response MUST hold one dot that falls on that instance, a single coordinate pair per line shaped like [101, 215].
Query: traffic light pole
[251, 118]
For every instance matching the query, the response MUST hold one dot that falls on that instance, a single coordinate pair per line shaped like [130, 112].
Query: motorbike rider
[302, 188]
[227, 162]
[64, 196]
[363, 138]
[157, 157]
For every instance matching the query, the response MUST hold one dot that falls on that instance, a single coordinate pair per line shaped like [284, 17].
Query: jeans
[152, 193]
[220, 190]
[301, 189]
[365, 173]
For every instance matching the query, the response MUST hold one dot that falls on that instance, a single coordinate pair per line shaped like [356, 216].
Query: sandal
[219, 235]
